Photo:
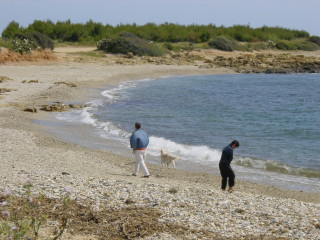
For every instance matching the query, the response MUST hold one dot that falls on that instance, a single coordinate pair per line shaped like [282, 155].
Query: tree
[12, 28]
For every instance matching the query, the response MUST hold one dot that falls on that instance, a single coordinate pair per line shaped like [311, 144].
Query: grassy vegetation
[22, 218]
[4, 43]
[33, 217]
[173, 37]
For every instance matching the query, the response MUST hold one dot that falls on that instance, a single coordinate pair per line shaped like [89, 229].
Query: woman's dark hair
[236, 143]
[137, 125]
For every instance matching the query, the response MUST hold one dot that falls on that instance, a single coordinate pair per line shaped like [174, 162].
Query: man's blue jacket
[139, 139]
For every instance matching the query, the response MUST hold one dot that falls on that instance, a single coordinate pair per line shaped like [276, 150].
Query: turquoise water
[276, 118]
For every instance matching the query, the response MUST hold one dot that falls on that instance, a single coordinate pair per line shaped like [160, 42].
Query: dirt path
[73, 49]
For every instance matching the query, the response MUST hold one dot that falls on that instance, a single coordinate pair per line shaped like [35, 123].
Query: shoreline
[87, 134]
[30, 153]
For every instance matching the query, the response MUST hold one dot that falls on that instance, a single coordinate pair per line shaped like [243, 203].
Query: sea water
[276, 119]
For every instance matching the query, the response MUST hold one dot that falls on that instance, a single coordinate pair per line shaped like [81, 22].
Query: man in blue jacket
[224, 165]
[139, 141]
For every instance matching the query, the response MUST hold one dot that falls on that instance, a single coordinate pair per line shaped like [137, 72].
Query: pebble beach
[193, 200]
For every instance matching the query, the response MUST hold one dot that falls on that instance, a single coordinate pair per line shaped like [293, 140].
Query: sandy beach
[192, 201]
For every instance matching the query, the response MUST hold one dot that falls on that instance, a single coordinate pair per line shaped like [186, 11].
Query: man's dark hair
[236, 143]
[137, 125]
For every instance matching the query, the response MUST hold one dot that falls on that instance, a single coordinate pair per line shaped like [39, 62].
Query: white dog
[168, 158]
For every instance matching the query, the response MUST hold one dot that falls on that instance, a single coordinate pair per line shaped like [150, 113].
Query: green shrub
[297, 45]
[40, 39]
[315, 39]
[306, 45]
[23, 46]
[127, 42]
[286, 45]
[43, 40]
[104, 44]
[222, 43]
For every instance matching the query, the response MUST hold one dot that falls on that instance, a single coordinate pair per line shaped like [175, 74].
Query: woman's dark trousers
[226, 173]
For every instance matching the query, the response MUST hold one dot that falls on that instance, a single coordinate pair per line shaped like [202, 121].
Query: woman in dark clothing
[224, 165]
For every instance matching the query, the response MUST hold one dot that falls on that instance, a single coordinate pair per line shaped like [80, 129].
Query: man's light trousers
[140, 157]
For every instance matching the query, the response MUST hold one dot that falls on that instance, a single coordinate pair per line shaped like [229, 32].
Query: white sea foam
[112, 94]
[68, 117]
[202, 154]
[95, 103]
[87, 117]
[192, 153]
[77, 116]
[110, 130]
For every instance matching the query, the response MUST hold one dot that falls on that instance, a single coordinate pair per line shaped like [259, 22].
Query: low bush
[286, 45]
[127, 42]
[23, 46]
[223, 43]
[306, 45]
[104, 44]
[315, 39]
[43, 41]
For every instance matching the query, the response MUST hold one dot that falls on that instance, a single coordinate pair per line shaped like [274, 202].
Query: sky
[291, 14]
